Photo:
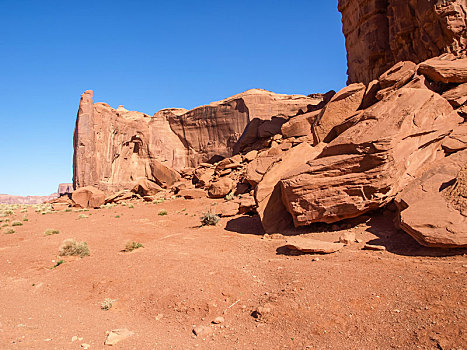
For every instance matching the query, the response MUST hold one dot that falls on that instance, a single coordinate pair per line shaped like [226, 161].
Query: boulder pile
[396, 136]
[357, 154]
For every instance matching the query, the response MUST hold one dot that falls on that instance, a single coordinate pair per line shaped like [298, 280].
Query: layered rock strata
[115, 147]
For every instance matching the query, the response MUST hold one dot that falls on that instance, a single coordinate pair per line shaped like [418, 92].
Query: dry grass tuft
[209, 219]
[49, 232]
[130, 246]
[70, 247]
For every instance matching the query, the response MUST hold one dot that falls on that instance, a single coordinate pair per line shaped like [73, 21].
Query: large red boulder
[88, 197]
[433, 208]
[341, 106]
[271, 210]
[445, 69]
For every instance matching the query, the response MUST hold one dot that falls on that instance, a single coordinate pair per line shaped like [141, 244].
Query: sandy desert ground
[185, 276]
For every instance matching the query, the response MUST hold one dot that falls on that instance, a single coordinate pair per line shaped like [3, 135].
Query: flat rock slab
[427, 214]
[309, 245]
[374, 247]
[192, 193]
[117, 335]
[445, 69]
[229, 208]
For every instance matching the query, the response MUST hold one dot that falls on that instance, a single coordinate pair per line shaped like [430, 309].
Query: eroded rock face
[380, 33]
[64, 189]
[457, 140]
[366, 166]
[115, 147]
[433, 209]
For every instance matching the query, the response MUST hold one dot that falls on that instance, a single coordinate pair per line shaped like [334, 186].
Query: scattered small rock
[347, 237]
[218, 319]
[260, 312]
[201, 331]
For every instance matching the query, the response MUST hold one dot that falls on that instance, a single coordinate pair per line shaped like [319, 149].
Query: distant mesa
[63, 189]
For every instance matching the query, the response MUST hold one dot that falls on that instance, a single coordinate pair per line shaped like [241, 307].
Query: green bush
[16, 223]
[162, 212]
[8, 231]
[57, 264]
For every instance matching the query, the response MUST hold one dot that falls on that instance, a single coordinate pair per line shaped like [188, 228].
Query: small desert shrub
[158, 201]
[117, 216]
[162, 212]
[67, 210]
[23, 211]
[25, 218]
[5, 224]
[82, 216]
[72, 247]
[49, 232]
[209, 219]
[57, 264]
[8, 231]
[131, 206]
[130, 246]
[107, 304]
[16, 223]
[230, 196]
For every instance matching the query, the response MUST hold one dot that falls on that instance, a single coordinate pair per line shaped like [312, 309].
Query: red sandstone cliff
[115, 147]
[380, 33]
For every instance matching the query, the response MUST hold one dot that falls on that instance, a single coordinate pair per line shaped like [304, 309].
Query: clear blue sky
[146, 55]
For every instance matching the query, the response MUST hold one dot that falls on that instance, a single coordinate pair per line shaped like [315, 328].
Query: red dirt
[407, 297]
